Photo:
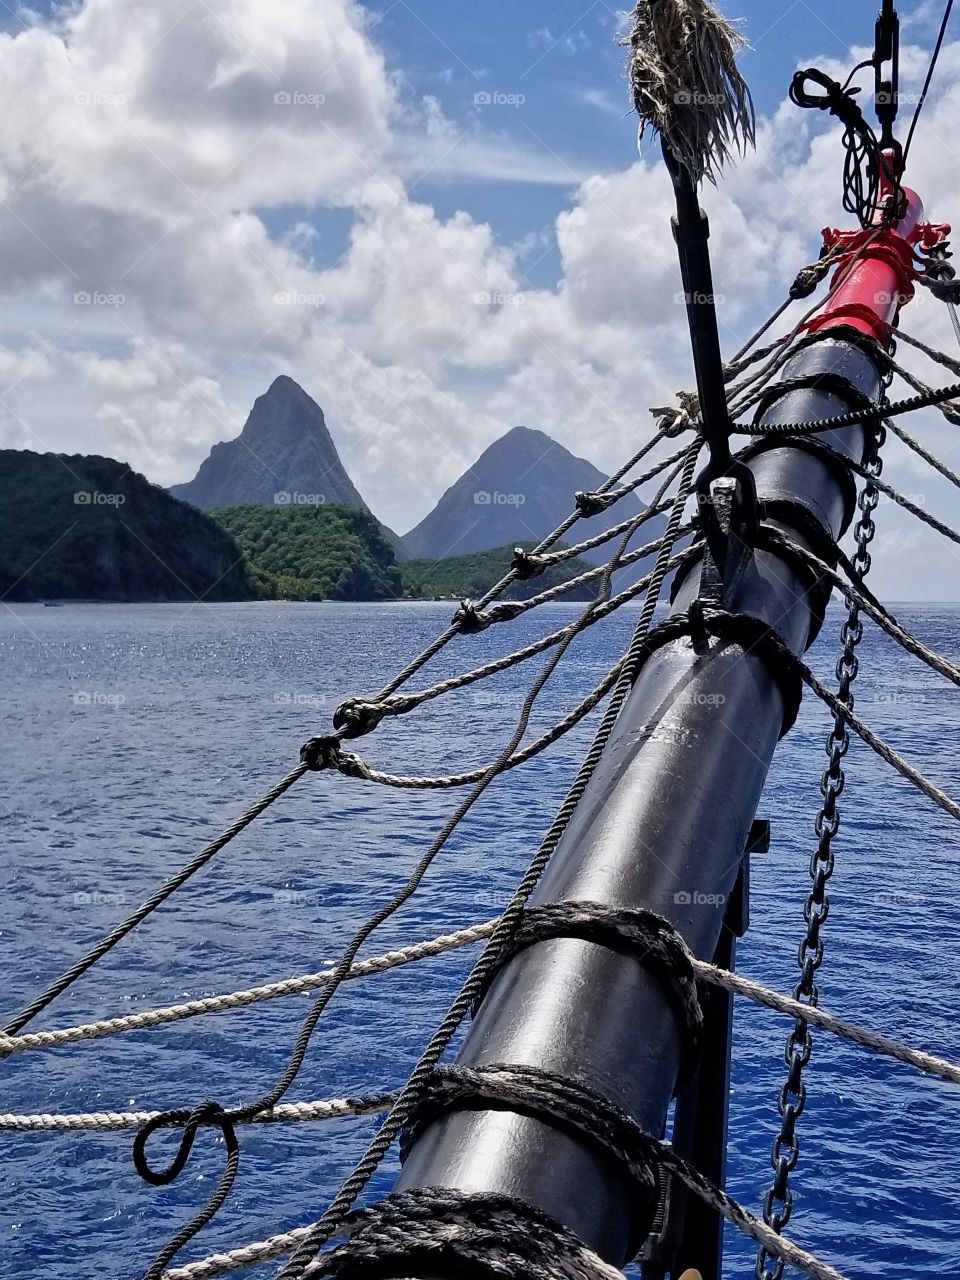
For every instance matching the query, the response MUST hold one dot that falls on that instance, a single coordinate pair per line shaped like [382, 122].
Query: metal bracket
[726, 555]
[687, 1233]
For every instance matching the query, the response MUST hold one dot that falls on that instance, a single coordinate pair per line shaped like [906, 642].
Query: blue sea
[133, 734]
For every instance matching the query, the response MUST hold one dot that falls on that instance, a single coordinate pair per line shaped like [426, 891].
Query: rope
[573, 1107]
[324, 1109]
[150, 1018]
[818, 1016]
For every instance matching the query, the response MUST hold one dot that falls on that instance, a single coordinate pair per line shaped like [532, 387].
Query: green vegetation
[471, 576]
[323, 552]
[88, 528]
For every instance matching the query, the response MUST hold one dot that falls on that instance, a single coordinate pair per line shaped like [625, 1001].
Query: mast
[667, 817]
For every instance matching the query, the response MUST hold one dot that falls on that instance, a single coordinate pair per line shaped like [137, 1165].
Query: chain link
[778, 1202]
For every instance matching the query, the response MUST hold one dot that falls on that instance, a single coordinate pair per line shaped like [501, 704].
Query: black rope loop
[356, 717]
[560, 1101]
[206, 1114]
[444, 1231]
[644, 935]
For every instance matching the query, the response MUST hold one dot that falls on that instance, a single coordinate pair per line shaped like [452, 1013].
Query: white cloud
[143, 148]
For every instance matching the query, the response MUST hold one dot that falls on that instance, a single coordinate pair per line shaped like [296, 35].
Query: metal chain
[778, 1202]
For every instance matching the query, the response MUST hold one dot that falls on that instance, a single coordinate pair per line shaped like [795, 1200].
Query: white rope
[238, 999]
[333, 1108]
[325, 1109]
[819, 1017]
[926, 1062]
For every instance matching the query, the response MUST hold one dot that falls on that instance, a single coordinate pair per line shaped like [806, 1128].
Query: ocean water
[132, 734]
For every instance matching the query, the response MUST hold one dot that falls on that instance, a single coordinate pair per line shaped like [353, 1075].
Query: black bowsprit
[650, 939]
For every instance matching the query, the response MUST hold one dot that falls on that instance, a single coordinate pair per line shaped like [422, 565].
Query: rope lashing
[642, 934]
[526, 565]
[543, 1095]
[440, 1230]
[685, 84]
[580, 1110]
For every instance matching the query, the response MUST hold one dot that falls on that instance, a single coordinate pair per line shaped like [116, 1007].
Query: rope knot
[808, 278]
[525, 565]
[355, 717]
[591, 504]
[673, 420]
[321, 753]
[205, 1113]
[469, 619]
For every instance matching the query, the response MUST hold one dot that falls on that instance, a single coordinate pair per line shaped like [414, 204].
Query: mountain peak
[284, 454]
[520, 488]
[283, 386]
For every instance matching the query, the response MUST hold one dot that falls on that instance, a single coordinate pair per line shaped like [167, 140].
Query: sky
[433, 217]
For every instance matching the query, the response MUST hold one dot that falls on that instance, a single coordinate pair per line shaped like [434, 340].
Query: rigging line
[399, 703]
[880, 616]
[869, 413]
[923, 453]
[928, 1063]
[159, 896]
[939, 356]
[61, 1036]
[836, 252]
[112, 1121]
[780, 357]
[927, 82]
[442, 944]
[130, 922]
[882, 748]
[544, 545]
[487, 963]
[269, 1100]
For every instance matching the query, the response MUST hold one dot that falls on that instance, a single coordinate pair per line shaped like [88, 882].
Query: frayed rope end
[685, 83]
